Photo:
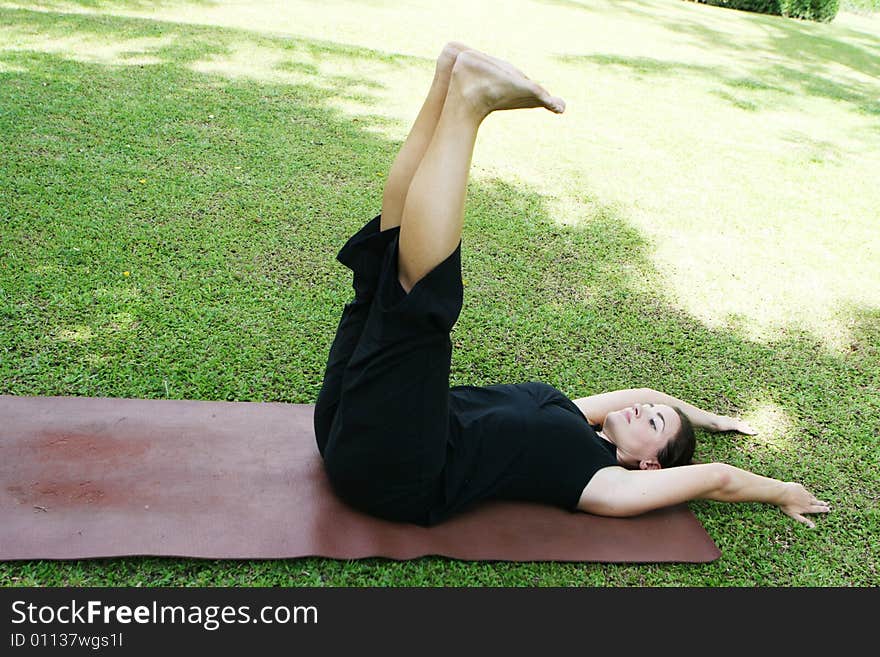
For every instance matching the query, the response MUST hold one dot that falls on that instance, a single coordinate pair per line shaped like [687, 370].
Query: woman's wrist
[727, 423]
[710, 421]
[738, 485]
[784, 490]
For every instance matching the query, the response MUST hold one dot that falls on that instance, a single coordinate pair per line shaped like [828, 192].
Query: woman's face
[640, 431]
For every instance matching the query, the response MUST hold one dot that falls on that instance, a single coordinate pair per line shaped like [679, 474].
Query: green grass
[176, 179]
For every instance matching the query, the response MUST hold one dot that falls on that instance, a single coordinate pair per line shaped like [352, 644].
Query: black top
[523, 441]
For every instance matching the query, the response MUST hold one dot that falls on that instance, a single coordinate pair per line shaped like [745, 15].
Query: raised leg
[432, 217]
[355, 313]
[434, 163]
[410, 155]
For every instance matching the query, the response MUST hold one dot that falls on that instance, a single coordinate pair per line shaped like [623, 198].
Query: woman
[400, 444]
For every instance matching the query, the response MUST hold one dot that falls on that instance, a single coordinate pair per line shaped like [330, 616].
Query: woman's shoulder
[542, 392]
[534, 389]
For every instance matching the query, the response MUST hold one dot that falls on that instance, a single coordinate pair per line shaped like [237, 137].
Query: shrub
[813, 10]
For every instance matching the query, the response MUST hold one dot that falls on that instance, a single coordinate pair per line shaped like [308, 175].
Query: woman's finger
[809, 523]
[742, 427]
[816, 502]
[797, 516]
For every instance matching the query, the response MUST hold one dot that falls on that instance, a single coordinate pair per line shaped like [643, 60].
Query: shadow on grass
[103, 5]
[227, 200]
[807, 50]
[762, 81]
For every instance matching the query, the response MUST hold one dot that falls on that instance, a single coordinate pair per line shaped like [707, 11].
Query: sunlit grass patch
[74, 334]
[773, 426]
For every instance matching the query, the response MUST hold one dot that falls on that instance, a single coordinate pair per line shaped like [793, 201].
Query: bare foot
[452, 49]
[447, 58]
[500, 62]
[489, 84]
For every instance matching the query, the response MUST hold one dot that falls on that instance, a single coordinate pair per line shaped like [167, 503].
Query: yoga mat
[85, 477]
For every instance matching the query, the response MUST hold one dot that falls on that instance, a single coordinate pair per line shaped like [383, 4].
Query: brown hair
[680, 448]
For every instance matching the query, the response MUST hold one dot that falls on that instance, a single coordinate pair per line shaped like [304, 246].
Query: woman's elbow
[607, 509]
[722, 480]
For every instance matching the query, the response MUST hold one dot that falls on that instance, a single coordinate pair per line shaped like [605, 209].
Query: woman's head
[650, 436]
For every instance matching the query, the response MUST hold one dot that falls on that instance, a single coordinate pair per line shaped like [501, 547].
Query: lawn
[177, 177]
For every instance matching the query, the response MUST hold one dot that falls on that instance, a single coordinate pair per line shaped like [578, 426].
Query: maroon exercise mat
[102, 477]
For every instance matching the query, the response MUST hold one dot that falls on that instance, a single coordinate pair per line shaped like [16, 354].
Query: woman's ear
[649, 464]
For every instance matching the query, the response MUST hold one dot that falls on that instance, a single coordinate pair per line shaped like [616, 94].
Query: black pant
[382, 416]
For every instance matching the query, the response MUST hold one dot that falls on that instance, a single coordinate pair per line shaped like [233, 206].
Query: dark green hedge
[813, 10]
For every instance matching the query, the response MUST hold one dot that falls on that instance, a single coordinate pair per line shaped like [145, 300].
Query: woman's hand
[725, 423]
[797, 500]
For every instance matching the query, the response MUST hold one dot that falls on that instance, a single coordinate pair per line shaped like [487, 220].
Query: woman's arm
[615, 491]
[596, 407]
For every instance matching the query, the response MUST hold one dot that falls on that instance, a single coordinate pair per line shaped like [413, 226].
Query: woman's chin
[613, 420]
